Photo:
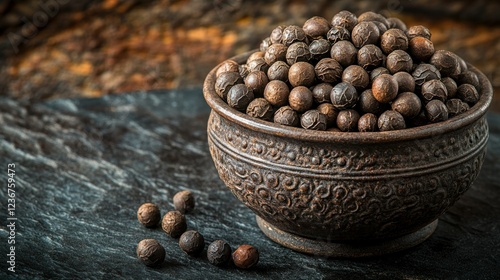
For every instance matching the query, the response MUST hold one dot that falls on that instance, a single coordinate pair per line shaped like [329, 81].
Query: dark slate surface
[83, 166]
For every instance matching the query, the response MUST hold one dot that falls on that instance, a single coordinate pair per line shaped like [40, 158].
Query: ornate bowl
[346, 194]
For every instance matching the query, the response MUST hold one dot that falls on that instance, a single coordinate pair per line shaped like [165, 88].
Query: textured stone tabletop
[83, 167]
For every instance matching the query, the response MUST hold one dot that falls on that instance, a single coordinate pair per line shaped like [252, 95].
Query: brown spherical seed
[330, 113]
[243, 70]
[150, 252]
[456, 106]
[292, 34]
[347, 120]
[300, 99]
[367, 123]
[468, 93]
[393, 39]
[372, 16]
[469, 77]
[277, 34]
[319, 49]
[239, 96]
[227, 66]
[368, 104]
[219, 253]
[245, 256]
[149, 214]
[377, 72]
[265, 44]
[345, 19]
[405, 81]
[425, 72]
[436, 111]
[258, 64]
[421, 48]
[260, 108]
[451, 86]
[321, 92]
[396, 23]
[301, 74]
[316, 27]
[275, 52]
[370, 57]
[382, 28]
[345, 53]
[174, 223]
[337, 34]
[434, 89]
[365, 33]
[286, 116]
[344, 96]
[255, 55]
[313, 119]
[276, 92]
[384, 88]
[446, 62]
[256, 81]
[184, 201]
[356, 76]
[418, 31]
[328, 70]
[297, 52]
[399, 61]
[391, 120]
[278, 71]
[225, 82]
[192, 242]
[407, 104]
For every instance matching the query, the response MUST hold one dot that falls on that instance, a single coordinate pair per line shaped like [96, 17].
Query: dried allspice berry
[344, 96]
[367, 123]
[300, 99]
[292, 34]
[286, 116]
[260, 108]
[365, 33]
[468, 93]
[384, 88]
[184, 201]
[149, 214]
[316, 27]
[391, 120]
[192, 242]
[174, 223]
[330, 113]
[356, 76]
[345, 19]
[393, 39]
[370, 57]
[225, 81]
[239, 96]
[434, 89]
[436, 111]
[277, 92]
[456, 106]
[313, 119]
[246, 256]
[344, 52]
[328, 70]
[407, 104]
[150, 252]
[219, 253]
[347, 120]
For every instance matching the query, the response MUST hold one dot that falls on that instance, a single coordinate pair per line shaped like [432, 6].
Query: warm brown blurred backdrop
[89, 48]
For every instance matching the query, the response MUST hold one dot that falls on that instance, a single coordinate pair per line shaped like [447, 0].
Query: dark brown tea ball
[356, 76]
[192, 242]
[328, 70]
[344, 52]
[330, 113]
[292, 34]
[425, 72]
[256, 81]
[347, 120]
[321, 92]
[436, 111]
[219, 253]
[184, 201]
[338, 33]
[260, 108]
[149, 214]
[368, 104]
[313, 119]
[399, 61]
[468, 93]
[286, 116]
[174, 223]
[345, 19]
[150, 252]
[446, 62]
[407, 104]
[393, 39]
[278, 71]
[276, 92]
[365, 33]
[225, 82]
[391, 120]
[245, 256]
[239, 96]
[370, 57]
[456, 106]
[405, 81]
[421, 48]
[297, 52]
[275, 52]
[301, 74]
[344, 96]
[451, 86]
[384, 88]
[434, 89]
[418, 31]
[227, 66]
[316, 27]
[319, 49]
[367, 123]
[300, 99]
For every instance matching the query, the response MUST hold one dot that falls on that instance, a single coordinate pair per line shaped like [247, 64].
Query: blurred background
[89, 48]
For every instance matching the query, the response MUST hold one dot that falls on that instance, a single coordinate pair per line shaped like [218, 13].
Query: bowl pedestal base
[345, 249]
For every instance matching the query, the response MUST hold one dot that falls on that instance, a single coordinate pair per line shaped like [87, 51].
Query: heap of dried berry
[355, 73]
